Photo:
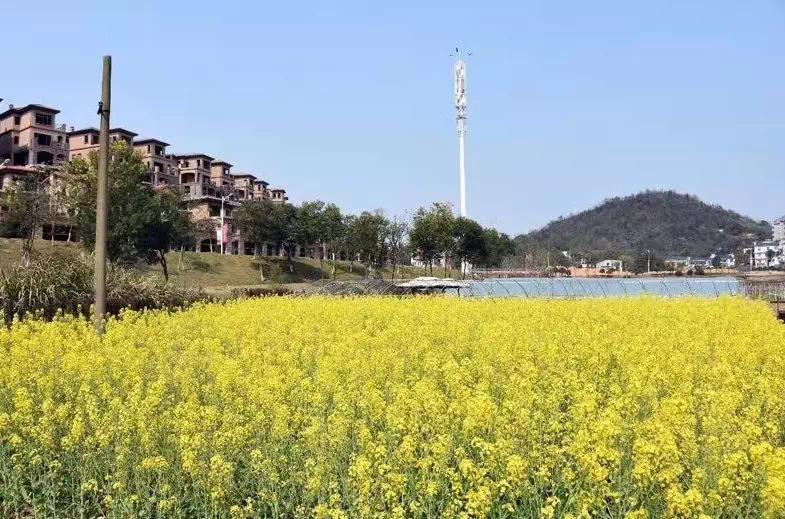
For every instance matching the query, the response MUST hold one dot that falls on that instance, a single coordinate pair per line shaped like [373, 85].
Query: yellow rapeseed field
[382, 407]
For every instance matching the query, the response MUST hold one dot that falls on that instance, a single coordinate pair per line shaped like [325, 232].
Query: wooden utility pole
[102, 202]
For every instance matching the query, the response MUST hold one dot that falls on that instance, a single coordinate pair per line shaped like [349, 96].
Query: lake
[604, 287]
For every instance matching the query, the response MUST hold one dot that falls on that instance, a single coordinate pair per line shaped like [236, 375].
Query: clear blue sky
[569, 102]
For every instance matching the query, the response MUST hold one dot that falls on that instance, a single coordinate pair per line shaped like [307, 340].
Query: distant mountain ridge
[667, 222]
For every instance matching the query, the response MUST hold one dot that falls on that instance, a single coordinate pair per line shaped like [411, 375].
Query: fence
[560, 287]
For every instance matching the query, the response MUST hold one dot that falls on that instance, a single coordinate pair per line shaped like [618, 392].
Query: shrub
[57, 284]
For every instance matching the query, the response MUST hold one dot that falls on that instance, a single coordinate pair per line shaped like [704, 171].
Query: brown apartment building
[82, 142]
[30, 135]
[161, 168]
[244, 186]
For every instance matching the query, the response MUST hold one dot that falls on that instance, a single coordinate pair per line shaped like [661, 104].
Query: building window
[86, 139]
[114, 138]
[16, 139]
[42, 139]
[43, 119]
[60, 138]
[17, 120]
[148, 148]
[159, 150]
[67, 139]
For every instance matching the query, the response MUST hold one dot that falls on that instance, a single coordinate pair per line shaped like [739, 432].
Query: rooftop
[193, 156]
[222, 163]
[243, 175]
[89, 129]
[40, 108]
[123, 131]
[149, 140]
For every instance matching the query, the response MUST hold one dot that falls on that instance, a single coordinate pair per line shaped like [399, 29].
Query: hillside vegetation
[214, 271]
[667, 222]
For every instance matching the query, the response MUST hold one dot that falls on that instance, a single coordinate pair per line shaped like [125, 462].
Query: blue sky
[569, 102]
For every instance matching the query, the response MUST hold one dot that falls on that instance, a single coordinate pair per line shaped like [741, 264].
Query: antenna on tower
[459, 74]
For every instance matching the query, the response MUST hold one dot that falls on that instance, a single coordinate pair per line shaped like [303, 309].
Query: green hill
[667, 222]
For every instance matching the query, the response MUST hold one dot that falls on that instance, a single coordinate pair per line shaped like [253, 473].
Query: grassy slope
[213, 270]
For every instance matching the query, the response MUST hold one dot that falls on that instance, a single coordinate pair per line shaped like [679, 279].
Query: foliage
[262, 221]
[643, 259]
[469, 241]
[496, 248]
[432, 232]
[397, 230]
[27, 205]
[663, 221]
[141, 221]
[421, 407]
[369, 233]
[65, 284]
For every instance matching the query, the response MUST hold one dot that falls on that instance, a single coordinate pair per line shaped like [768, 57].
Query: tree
[332, 231]
[261, 221]
[469, 241]
[432, 233]
[498, 246]
[396, 241]
[132, 205]
[640, 262]
[348, 240]
[369, 232]
[770, 255]
[26, 207]
[740, 258]
[169, 227]
[308, 226]
[716, 261]
[205, 227]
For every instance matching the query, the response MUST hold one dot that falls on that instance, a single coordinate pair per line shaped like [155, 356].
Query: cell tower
[460, 119]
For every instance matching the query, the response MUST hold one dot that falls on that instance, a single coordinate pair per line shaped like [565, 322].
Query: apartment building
[86, 140]
[221, 176]
[278, 194]
[244, 186]
[30, 135]
[161, 169]
[260, 191]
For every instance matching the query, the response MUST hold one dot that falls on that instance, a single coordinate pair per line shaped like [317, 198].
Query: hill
[667, 222]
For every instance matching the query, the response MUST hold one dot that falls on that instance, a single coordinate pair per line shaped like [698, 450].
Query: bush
[239, 293]
[55, 284]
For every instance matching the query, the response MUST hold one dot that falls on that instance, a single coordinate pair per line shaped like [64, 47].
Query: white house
[609, 264]
[779, 228]
[760, 253]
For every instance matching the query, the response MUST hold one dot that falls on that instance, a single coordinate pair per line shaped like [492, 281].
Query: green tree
[640, 262]
[348, 240]
[132, 205]
[369, 232]
[332, 231]
[396, 241]
[770, 255]
[498, 247]
[27, 205]
[432, 233]
[168, 228]
[261, 221]
[309, 225]
[469, 241]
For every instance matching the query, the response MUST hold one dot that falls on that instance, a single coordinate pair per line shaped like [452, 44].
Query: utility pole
[102, 202]
[223, 199]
